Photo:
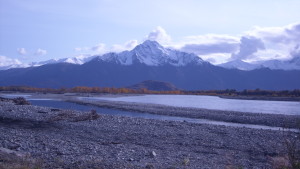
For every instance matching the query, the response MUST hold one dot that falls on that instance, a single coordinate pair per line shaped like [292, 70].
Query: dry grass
[69, 115]
[15, 161]
[291, 159]
[21, 101]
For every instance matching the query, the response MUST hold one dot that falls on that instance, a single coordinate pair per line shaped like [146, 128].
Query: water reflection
[214, 103]
[74, 106]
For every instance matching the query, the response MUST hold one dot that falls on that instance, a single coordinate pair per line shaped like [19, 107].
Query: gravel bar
[56, 138]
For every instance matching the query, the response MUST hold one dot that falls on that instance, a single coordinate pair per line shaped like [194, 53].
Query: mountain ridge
[292, 64]
[108, 71]
[151, 53]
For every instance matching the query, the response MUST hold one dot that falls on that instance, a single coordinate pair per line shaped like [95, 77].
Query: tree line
[113, 90]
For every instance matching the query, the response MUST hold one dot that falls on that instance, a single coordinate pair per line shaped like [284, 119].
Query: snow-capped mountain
[14, 66]
[149, 53]
[149, 61]
[81, 59]
[239, 64]
[152, 53]
[293, 64]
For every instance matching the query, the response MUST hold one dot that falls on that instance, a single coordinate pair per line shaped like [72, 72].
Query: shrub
[93, 115]
[70, 115]
[21, 101]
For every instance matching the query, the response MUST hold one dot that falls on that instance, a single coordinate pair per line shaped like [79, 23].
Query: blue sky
[37, 30]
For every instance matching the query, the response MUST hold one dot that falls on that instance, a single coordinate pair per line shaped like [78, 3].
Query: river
[213, 103]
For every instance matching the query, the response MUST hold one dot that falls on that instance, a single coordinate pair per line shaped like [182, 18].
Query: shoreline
[267, 98]
[67, 139]
[47, 95]
[273, 120]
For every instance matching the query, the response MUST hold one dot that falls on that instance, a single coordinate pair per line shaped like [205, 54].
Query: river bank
[55, 95]
[274, 120]
[55, 138]
[269, 98]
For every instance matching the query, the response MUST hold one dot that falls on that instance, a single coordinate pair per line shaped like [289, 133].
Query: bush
[93, 115]
[21, 101]
[70, 115]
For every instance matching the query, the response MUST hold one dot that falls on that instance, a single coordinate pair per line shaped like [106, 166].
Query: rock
[130, 159]
[42, 112]
[153, 154]
[8, 151]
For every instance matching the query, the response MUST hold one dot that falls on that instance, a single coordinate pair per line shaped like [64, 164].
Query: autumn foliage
[112, 90]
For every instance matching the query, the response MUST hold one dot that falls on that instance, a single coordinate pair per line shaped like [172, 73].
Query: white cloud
[7, 62]
[248, 46]
[211, 39]
[159, 35]
[210, 47]
[279, 42]
[129, 45]
[22, 51]
[203, 49]
[260, 43]
[77, 49]
[97, 49]
[216, 58]
[82, 49]
[267, 54]
[285, 34]
[40, 52]
[100, 48]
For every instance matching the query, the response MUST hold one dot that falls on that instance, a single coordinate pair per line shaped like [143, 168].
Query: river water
[172, 100]
[212, 102]
[68, 105]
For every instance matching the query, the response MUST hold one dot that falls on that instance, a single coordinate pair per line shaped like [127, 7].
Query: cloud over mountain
[202, 49]
[6, 62]
[160, 35]
[256, 45]
[40, 52]
[102, 48]
[248, 46]
[22, 51]
[260, 43]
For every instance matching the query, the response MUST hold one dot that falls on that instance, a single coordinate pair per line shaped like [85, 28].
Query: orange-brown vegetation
[113, 90]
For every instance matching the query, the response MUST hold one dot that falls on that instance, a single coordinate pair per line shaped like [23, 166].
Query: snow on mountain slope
[293, 64]
[153, 54]
[239, 64]
[14, 66]
[81, 59]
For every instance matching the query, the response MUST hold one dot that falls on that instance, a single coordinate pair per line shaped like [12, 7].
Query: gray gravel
[55, 138]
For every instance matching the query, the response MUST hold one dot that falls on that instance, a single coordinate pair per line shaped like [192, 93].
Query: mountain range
[149, 61]
[292, 64]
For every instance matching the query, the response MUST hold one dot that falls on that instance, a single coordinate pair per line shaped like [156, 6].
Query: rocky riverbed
[54, 138]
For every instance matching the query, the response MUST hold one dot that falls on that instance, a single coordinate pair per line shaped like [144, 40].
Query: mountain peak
[150, 43]
[151, 53]
[150, 46]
